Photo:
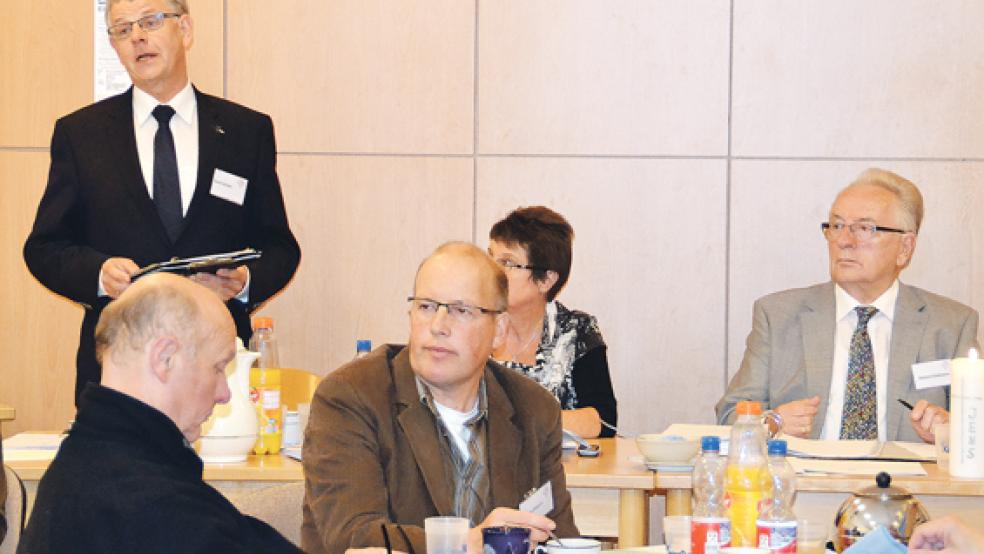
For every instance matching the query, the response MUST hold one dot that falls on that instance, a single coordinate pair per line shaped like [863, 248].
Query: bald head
[157, 305]
[491, 274]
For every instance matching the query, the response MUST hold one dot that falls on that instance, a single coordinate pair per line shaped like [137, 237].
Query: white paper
[927, 375]
[33, 441]
[854, 467]
[229, 187]
[540, 502]
[919, 449]
[830, 448]
[109, 76]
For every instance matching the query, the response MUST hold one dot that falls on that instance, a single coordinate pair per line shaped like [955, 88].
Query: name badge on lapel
[229, 187]
[931, 374]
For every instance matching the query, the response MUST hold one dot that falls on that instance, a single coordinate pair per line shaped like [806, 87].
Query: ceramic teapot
[230, 433]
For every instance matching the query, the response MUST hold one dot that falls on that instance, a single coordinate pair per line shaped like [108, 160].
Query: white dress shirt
[454, 422]
[880, 332]
[184, 128]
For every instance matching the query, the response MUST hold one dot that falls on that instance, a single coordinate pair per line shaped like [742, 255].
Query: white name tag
[229, 187]
[931, 374]
[540, 502]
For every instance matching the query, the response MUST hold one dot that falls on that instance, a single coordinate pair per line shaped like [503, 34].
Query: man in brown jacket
[433, 428]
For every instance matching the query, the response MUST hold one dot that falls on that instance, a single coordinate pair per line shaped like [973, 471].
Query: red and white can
[778, 537]
[709, 534]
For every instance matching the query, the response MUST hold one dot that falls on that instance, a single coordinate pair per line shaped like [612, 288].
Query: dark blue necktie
[167, 191]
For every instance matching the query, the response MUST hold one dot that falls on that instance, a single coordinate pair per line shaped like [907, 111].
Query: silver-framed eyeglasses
[150, 22]
[861, 230]
[509, 264]
[424, 309]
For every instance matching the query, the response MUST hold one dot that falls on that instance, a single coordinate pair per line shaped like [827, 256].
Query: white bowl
[667, 449]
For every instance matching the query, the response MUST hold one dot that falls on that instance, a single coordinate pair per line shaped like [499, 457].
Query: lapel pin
[219, 130]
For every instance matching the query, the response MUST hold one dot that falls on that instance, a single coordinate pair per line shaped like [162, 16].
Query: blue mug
[506, 540]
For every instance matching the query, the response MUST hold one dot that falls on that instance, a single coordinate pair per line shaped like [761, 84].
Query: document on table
[831, 449]
[854, 467]
[27, 447]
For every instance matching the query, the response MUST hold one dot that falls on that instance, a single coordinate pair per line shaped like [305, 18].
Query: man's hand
[539, 526]
[115, 275]
[924, 415]
[947, 534]
[797, 416]
[227, 283]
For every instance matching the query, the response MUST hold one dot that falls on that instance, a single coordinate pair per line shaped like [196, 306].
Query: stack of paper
[854, 467]
[27, 447]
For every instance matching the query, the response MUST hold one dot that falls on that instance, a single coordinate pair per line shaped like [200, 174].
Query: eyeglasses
[509, 264]
[861, 230]
[424, 309]
[150, 22]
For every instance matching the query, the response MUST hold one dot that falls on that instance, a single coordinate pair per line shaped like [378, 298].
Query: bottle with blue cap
[776, 524]
[362, 348]
[710, 528]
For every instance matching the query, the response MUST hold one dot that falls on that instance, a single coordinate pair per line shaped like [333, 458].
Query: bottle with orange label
[264, 386]
[743, 479]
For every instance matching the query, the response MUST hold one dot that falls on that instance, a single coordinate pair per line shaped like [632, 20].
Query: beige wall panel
[38, 374]
[648, 262]
[357, 75]
[624, 77]
[206, 54]
[45, 67]
[364, 224]
[858, 79]
[776, 242]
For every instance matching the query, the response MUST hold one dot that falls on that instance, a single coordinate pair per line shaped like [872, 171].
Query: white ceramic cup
[446, 535]
[569, 546]
[676, 533]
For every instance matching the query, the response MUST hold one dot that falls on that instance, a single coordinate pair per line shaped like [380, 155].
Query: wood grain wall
[695, 145]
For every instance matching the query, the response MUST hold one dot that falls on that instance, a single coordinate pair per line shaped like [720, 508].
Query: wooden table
[610, 493]
[818, 497]
[6, 414]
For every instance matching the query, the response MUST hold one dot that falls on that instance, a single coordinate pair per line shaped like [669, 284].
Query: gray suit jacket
[789, 353]
[372, 454]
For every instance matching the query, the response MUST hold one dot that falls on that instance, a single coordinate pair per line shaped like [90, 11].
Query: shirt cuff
[243, 295]
[100, 291]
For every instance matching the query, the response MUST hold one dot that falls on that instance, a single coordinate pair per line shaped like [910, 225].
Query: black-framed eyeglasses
[861, 230]
[150, 22]
[425, 309]
[509, 264]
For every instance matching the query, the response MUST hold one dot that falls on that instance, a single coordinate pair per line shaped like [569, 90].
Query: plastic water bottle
[362, 348]
[710, 529]
[743, 480]
[264, 386]
[777, 523]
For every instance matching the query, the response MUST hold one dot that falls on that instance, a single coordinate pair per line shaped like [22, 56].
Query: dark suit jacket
[372, 454]
[790, 351]
[96, 206]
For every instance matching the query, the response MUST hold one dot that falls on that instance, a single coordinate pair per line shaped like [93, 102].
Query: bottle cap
[710, 444]
[363, 345]
[262, 323]
[777, 447]
[748, 407]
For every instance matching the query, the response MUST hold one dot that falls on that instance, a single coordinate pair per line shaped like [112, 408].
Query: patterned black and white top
[571, 363]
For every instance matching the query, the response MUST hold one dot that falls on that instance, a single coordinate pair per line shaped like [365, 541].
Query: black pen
[386, 537]
[904, 403]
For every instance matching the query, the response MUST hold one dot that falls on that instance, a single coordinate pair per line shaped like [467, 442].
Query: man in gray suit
[832, 359]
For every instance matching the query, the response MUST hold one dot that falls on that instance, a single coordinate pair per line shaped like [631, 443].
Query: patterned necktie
[860, 417]
[167, 192]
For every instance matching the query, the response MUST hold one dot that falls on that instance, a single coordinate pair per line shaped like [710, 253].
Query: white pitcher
[230, 433]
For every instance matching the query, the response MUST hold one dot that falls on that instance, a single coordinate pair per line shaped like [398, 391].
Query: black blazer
[96, 206]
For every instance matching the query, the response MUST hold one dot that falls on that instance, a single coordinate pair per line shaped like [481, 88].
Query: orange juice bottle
[743, 479]
[264, 387]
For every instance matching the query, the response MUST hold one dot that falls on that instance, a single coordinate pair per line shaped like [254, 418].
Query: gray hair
[907, 193]
[495, 272]
[176, 6]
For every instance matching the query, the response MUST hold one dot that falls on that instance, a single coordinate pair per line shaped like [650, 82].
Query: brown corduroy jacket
[372, 454]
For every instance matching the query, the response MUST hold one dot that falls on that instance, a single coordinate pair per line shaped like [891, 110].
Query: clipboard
[209, 263]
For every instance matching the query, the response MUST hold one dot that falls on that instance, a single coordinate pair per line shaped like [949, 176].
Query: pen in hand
[904, 403]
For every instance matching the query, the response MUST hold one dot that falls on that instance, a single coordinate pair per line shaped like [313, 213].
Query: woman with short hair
[561, 349]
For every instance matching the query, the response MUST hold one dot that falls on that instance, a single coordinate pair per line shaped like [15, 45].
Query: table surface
[937, 482]
[6, 413]
[619, 467]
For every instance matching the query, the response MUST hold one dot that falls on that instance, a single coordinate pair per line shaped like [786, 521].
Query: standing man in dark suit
[832, 359]
[159, 171]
